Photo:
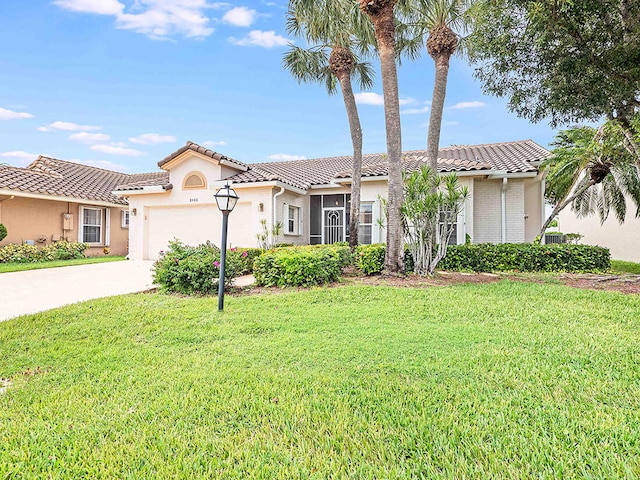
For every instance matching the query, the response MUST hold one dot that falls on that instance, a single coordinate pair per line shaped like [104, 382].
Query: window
[91, 225]
[292, 220]
[366, 223]
[194, 181]
[125, 219]
[448, 219]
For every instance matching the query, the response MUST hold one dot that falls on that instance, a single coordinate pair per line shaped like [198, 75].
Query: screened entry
[330, 216]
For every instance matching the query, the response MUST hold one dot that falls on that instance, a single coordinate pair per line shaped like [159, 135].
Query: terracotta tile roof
[513, 157]
[50, 176]
[202, 150]
[140, 180]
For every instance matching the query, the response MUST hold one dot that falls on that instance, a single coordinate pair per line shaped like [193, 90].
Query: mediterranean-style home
[139, 214]
[311, 197]
[52, 199]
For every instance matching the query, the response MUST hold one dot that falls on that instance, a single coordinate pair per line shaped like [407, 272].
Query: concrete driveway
[37, 290]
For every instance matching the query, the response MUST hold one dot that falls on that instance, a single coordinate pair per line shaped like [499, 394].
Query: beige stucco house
[311, 197]
[621, 239]
[53, 199]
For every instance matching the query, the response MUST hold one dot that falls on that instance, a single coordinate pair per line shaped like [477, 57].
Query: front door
[333, 225]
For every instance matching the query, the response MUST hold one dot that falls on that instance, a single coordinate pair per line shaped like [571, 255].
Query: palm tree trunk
[381, 14]
[437, 107]
[560, 206]
[356, 139]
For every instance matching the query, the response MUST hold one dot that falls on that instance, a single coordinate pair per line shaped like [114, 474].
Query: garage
[196, 224]
[191, 225]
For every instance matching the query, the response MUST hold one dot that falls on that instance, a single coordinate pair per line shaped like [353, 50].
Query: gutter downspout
[273, 208]
[503, 201]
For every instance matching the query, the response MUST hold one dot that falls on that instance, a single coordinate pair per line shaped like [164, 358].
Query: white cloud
[415, 111]
[372, 98]
[285, 157]
[463, 105]
[89, 138]
[258, 38]
[117, 149]
[158, 19]
[152, 139]
[100, 7]
[450, 124]
[69, 127]
[213, 143]
[20, 157]
[240, 16]
[11, 115]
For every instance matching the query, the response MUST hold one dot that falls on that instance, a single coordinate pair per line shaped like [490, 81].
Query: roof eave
[59, 198]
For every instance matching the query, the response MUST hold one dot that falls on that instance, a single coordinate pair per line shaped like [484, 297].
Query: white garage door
[194, 225]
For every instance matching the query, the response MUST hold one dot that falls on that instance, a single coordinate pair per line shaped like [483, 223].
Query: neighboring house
[53, 199]
[311, 197]
[621, 239]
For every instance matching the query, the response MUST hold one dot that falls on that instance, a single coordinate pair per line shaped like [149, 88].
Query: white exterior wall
[195, 212]
[487, 221]
[621, 240]
[533, 207]
[488, 215]
[515, 211]
[282, 203]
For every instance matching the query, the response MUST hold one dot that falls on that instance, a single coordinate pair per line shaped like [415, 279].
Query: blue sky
[120, 84]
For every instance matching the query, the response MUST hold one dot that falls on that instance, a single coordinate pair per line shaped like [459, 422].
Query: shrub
[246, 257]
[194, 270]
[301, 266]
[369, 259]
[527, 257]
[63, 250]
[3, 232]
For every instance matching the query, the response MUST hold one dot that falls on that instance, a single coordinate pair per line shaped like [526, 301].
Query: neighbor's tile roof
[513, 157]
[51, 176]
[199, 149]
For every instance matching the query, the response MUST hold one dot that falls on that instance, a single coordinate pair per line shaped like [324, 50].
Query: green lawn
[506, 380]
[620, 266]
[19, 267]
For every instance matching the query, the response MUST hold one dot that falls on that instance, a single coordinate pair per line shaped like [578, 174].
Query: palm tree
[441, 19]
[381, 14]
[333, 33]
[593, 170]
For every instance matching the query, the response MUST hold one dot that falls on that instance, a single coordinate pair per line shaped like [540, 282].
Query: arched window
[194, 181]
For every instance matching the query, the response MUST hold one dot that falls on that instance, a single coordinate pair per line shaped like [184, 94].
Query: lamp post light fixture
[226, 198]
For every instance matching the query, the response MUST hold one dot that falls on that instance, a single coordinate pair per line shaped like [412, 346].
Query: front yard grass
[502, 380]
[620, 266]
[19, 267]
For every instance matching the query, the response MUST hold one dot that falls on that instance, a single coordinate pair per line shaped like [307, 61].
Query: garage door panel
[192, 225]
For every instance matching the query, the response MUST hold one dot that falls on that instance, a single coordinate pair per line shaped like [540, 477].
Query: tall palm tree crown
[334, 26]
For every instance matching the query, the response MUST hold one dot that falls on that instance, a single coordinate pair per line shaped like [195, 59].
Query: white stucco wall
[622, 240]
[488, 215]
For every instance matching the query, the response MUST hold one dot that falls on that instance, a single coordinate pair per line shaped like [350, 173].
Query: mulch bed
[627, 284]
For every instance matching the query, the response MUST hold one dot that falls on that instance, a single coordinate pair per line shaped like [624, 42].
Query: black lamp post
[226, 198]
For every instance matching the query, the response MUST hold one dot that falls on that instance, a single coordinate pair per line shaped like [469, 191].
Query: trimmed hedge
[496, 257]
[526, 257]
[195, 270]
[301, 266]
[63, 250]
[369, 259]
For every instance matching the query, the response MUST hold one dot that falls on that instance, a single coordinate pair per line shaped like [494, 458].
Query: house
[621, 239]
[311, 197]
[54, 199]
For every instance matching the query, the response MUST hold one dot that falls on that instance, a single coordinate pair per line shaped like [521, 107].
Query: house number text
[193, 200]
